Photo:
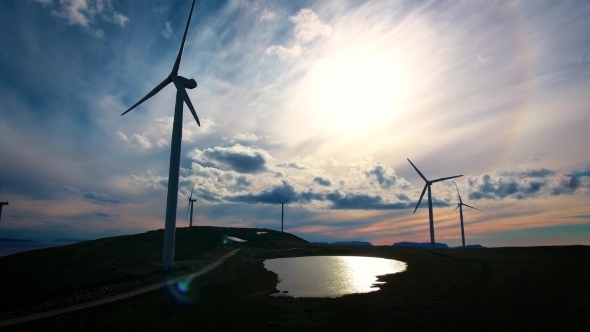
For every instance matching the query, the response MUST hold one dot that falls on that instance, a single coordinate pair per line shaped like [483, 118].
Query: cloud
[102, 215]
[245, 138]
[293, 165]
[525, 183]
[120, 19]
[191, 129]
[268, 196]
[267, 15]
[99, 198]
[122, 136]
[386, 177]
[167, 32]
[322, 181]
[140, 142]
[161, 143]
[308, 25]
[84, 13]
[239, 158]
[283, 52]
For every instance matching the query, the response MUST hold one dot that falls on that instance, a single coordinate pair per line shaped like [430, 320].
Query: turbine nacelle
[189, 84]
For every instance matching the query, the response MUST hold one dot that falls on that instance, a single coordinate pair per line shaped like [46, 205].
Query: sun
[357, 89]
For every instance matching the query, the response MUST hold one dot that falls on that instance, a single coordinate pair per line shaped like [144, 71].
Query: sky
[324, 100]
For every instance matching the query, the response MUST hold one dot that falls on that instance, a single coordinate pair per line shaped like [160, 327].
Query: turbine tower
[283, 210]
[181, 85]
[430, 216]
[191, 200]
[460, 207]
[1, 203]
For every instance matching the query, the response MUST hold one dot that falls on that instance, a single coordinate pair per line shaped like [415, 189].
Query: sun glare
[356, 89]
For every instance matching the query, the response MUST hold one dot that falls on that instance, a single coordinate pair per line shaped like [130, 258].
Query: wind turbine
[181, 96]
[191, 200]
[283, 210]
[460, 207]
[430, 216]
[1, 203]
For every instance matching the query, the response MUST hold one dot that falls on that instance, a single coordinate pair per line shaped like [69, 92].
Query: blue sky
[324, 100]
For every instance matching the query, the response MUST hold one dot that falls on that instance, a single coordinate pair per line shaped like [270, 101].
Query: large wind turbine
[191, 200]
[427, 185]
[1, 203]
[181, 96]
[283, 210]
[460, 207]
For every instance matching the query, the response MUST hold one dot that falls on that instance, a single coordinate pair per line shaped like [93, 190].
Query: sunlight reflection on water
[330, 276]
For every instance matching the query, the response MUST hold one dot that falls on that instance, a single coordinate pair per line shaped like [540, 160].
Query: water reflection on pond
[330, 276]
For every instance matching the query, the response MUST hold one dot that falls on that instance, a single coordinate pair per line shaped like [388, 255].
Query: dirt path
[117, 297]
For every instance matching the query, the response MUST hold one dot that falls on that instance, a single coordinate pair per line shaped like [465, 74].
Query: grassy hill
[492, 289]
[60, 276]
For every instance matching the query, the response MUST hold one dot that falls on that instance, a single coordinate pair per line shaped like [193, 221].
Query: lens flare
[181, 291]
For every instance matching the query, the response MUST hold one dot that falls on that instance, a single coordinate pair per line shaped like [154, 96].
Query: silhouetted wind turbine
[283, 210]
[181, 96]
[191, 200]
[427, 185]
[1, 203]
[460, 207]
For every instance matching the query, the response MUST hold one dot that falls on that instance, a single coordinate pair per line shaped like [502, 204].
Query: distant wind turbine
[460, 207]
[427, 185]
[191, 200]
[181, 96]
[1, 203]
[283, 210]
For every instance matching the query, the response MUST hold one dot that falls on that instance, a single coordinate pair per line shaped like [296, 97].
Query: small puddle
[330, 276]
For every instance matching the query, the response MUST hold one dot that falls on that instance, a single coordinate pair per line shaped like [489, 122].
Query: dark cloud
[238, 162]
[243, 181]
[322, 181]
[242, 159]
[565, 184]
[580, 173]
[385, 177]
[102, 215]
[524, 184]
[99, 198]
[361, 201]
[269, 196]
[291, 165]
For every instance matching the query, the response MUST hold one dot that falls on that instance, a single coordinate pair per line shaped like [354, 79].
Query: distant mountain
[353, 243]
[7, 239]
[347, 243]
[471, 246]
[69, 240]
[420, 245]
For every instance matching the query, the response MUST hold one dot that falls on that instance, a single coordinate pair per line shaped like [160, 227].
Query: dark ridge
[7, 239]
[420, 245]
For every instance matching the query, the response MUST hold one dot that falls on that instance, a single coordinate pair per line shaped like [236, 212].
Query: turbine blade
[453, 211]
[150, 94]
[420, 200]
[177, 63]
[180, 88]
[458, 192]
[472, 207]
[421, 175]
[192, 190]
[442, 179]
[288, 199]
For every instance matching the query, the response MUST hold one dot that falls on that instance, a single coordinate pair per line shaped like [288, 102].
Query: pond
[330, 276]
